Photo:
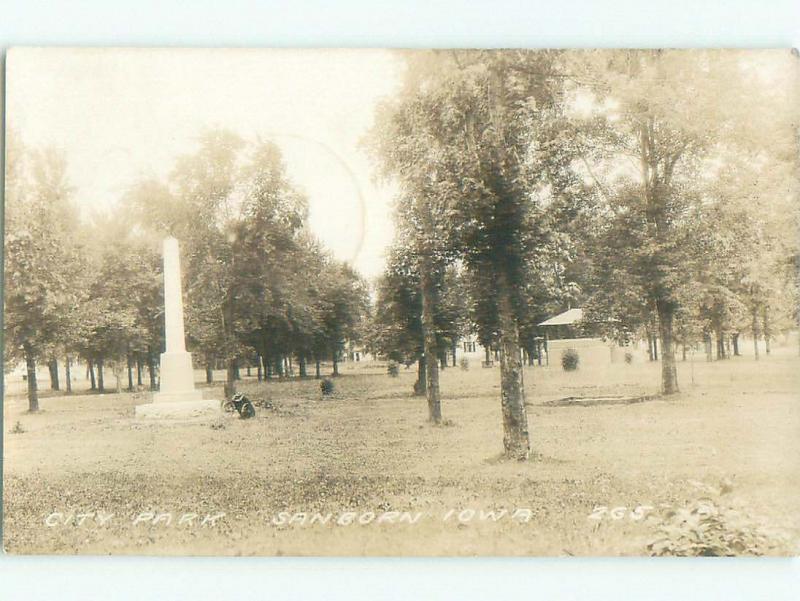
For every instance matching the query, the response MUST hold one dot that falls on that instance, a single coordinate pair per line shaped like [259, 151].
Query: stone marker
[177, 396]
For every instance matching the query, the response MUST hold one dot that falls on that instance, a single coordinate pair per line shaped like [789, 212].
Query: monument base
[179, 409]
[178, 397]
[177, 373]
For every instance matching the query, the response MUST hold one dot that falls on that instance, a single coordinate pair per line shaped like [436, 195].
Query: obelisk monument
[177, 394]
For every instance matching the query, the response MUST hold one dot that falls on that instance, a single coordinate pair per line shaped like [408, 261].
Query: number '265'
[619, 513]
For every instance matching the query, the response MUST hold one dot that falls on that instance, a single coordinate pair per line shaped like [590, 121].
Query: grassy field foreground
[363, 473]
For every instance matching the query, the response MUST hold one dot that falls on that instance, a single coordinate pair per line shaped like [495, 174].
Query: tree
[123, 315]
[344, 302]
[41, 258]
[396, 329]
[255, 278]
[660, 146]
[474, 120]
[753, 198]
[407, 149]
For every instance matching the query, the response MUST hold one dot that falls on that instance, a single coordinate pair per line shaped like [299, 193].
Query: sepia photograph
[368, 302]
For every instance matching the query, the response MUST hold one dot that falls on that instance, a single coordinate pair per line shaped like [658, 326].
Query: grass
[368, 450]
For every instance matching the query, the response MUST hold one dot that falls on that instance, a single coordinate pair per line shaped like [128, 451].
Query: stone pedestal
[177, 379]
[177, 396]
[179, 409]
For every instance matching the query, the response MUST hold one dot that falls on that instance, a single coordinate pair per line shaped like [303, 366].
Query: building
[569, 330]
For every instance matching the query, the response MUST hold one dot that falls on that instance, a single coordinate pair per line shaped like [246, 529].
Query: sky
[123, 114]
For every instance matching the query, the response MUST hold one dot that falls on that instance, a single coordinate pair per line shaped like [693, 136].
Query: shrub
[706, 529]
[393, 369]
[263, 403]
[628, 357]
[327, 387]
[570, 359]
[464, 363]
[18, 429]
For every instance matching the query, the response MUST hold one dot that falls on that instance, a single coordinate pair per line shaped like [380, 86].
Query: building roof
[568, 317]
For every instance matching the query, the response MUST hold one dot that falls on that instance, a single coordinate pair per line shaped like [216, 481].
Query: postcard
[364, 302]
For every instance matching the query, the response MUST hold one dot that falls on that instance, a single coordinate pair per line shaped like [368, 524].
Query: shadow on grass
[534, 457]
[592, 401]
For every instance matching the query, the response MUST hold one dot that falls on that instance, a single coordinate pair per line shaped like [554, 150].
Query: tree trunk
[138, 369]
[650, 346]
[453, 349]
[303, 367]
[116, 369]
[259, 370]
[209, 371]
[151, 367]
[317, 371]
[130, 372]
[708, 347]
[335, 363]
[755, 332]
[100, 375]
[735, 342]
[68, 373]
[669, 372]
[236, 373]
[720, 345]
[516, 440]
[428, 290]
[278, 366]
[263, 355]
[229, 389]
[443, 361]
[487, 355]
[33, 390]
[767, 332]
[90, 368]
[52, 367]
[683, 352]
[421, 385]
[231, 364]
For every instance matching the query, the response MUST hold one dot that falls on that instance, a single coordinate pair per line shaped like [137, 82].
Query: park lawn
[370, 451]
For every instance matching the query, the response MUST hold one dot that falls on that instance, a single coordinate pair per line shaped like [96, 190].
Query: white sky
[122, 114]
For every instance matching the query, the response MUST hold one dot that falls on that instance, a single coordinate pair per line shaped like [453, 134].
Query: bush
[706, 529]
[628, 357]
[18, 429]
[327, 387]
[263, 403]
[570, 359]
[393, 369]
[464, 363]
